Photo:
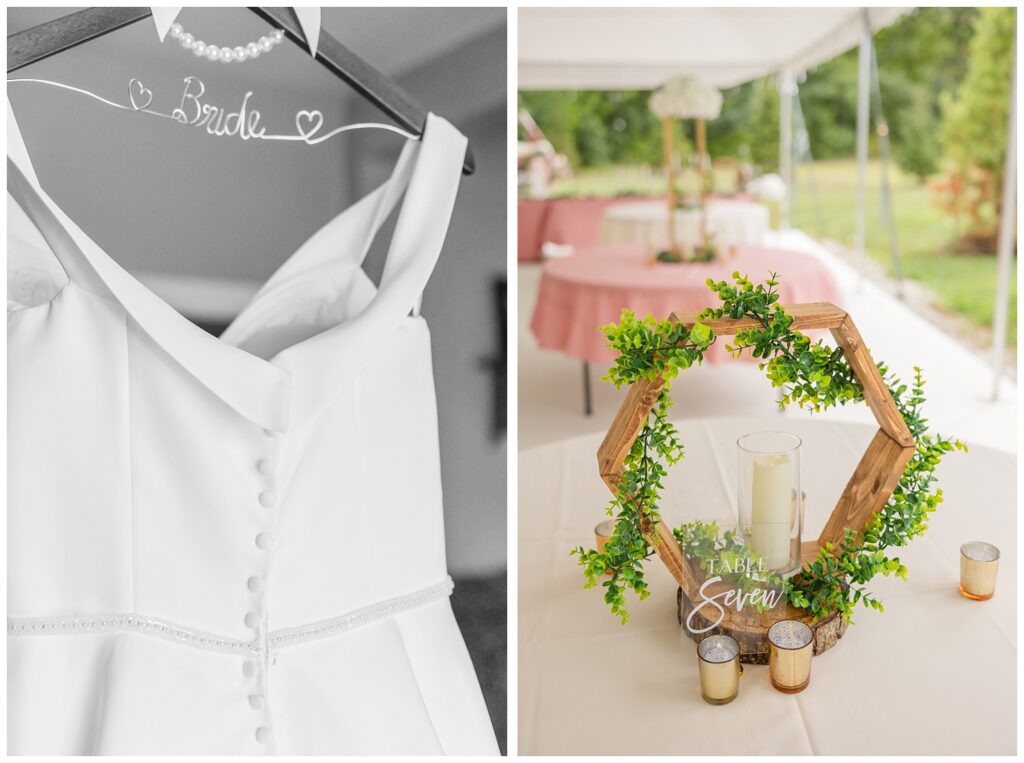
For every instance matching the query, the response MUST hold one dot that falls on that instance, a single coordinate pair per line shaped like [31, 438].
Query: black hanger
[53, 37]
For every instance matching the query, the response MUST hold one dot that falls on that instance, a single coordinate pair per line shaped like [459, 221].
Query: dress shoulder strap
[35, 223]
[332, 359]
[16, 148]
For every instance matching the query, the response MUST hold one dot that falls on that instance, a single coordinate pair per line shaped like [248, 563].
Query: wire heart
[308, 123]
[136, 98]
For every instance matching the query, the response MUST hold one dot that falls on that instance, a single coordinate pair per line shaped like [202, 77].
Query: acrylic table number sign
[770, 517]
[734, 588]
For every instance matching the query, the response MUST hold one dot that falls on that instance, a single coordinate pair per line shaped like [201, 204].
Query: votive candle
[769, 480]
[718, 660]
[979, 563]
[772, 508]
[603, 533]
[790, 648]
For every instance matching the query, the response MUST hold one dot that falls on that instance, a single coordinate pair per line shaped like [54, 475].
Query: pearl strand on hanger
[225, 54]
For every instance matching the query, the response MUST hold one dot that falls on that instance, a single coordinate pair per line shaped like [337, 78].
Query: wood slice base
[752, 632]
[750, 627]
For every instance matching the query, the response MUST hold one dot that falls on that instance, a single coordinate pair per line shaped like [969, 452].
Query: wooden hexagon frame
[868, 490]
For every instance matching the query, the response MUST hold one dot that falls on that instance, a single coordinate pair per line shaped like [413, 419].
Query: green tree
[920, 57]
[748, 127]
[553, 112]
[763, 124]
[918, 151]
[595, 128]
[591, 140]
[975, 119]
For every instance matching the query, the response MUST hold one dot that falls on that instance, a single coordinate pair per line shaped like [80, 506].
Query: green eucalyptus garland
[813, 376]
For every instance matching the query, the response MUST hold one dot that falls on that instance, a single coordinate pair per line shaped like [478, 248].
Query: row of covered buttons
[251, 670]
[267, 499]
[264, 540]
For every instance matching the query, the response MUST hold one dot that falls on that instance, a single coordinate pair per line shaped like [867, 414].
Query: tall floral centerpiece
[685, 98]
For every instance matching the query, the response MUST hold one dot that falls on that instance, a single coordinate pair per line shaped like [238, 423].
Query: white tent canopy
[640, 48]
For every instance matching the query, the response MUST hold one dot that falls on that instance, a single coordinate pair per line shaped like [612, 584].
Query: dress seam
[275, 641]
[419, 688]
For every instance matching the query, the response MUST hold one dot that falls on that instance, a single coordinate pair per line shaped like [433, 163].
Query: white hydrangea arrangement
[768, 187]
[686, 98]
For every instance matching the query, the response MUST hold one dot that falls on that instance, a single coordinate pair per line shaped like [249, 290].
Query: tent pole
[1004, 247]
[806, 157]
[786, 81]
[667, 138]
[863, 115]
[702, 151]
[883, 155]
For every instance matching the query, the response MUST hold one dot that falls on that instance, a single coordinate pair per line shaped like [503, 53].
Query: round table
[567, 221]
[729, 222]
[934, 674]
[581, 293]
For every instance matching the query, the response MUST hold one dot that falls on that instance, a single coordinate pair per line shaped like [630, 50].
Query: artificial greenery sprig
[655, 347]
[813, 376]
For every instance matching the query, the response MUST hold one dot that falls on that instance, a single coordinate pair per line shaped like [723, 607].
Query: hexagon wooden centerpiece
[868, 490]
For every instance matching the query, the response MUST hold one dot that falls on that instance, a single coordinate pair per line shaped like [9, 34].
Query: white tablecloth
[730, 222]
[934, 674]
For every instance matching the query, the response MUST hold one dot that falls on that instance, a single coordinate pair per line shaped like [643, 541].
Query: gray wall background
[176, 206]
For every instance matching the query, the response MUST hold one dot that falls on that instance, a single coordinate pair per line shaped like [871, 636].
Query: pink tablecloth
[579, 294]
[576, 222]
[562, 221]
[531, 217]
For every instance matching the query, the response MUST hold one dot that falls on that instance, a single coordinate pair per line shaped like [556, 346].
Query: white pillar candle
[771, 504]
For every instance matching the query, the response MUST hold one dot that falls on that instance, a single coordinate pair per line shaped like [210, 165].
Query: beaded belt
[155, 626]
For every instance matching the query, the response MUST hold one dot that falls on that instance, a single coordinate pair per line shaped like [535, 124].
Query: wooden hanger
[53, 37]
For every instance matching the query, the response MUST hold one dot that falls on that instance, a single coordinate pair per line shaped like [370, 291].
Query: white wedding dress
[233, 545]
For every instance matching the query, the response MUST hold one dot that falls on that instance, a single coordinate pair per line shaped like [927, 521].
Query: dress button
[249, 668]
[263, 735]
[267, 499]
[256, 702]
[252, 620]
[264, 541]
[255, 584]
[266, 466]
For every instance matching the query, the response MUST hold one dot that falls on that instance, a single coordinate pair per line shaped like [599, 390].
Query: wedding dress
[232, 545]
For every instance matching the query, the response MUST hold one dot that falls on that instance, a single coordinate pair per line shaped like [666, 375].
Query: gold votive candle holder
[790, 648]
[718, 659]
[602, 534]
[979, 563]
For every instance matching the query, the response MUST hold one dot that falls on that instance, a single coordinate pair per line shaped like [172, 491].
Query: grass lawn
[963, 284]
[611, 181]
